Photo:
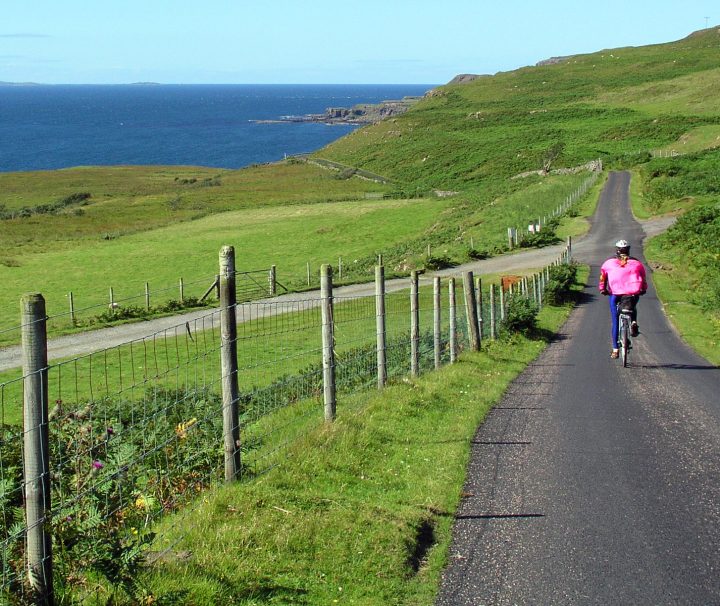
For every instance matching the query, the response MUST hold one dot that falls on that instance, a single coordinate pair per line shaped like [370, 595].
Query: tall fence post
[380, 325]
[182, 291]
[502, 303]
[36, 463]
[229, 363]
[414, 324]
[437, 339]
[493, 325]
[453, 320]
[479, 300]
[272, 279]
[471, 310]
[328, 342]
[147, 296]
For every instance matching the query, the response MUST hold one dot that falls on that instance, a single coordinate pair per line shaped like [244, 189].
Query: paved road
[590, 483]
[91, 341]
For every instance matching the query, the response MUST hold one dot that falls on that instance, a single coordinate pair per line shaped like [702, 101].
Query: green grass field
[104, 248]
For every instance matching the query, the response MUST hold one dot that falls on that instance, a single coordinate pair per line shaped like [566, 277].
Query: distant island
[363, 113]
[18, 83]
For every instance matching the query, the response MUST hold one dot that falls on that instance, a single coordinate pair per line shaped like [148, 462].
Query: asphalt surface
[590, 483]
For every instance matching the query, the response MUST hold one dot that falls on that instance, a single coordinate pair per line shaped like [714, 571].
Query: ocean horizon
[48, 127]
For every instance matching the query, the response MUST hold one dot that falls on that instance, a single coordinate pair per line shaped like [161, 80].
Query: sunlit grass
[358, 512]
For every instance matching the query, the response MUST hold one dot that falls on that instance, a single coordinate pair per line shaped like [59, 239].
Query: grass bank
[685, 263]
[361, 512]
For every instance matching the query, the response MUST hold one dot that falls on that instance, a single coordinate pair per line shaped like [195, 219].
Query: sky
[319, 41]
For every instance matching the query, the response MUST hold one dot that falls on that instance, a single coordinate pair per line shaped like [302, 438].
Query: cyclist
[622, 275]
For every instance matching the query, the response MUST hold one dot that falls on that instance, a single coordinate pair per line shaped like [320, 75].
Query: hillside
[612, 104]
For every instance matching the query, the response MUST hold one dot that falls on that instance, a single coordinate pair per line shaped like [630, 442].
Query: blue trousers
[615, 315]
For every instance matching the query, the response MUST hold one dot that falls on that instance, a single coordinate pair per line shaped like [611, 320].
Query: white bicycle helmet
[622, 247]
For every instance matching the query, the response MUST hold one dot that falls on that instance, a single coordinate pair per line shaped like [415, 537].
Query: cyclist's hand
[605, 292]
[642, 292]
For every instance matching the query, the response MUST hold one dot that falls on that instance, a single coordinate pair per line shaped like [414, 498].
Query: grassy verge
[362, 511]
[676, 288]
[684, 259]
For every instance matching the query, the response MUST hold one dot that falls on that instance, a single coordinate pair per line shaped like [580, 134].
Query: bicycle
[626, 307]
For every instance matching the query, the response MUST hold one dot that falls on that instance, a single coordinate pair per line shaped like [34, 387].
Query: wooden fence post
[328, 342]
[272, 278]
[147, 296]
[437, 340]
[182, 291]
[479, 300]
[36, 463]
[72, 308]
[380, 326]
[493, 325]
[502, 304]
[453, 320]
[471, 310]
[229, 363]
[112, 301]
[414, 324]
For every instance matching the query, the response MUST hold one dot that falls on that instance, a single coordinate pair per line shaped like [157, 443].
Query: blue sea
[51, 127]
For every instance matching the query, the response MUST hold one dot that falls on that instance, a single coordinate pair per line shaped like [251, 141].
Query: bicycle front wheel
[624, 341]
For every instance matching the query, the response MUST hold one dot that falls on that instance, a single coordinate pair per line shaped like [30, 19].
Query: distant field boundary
[350, 171]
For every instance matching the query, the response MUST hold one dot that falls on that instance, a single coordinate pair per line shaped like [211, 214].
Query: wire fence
[517, 235]
[115, 441]
[79, 310]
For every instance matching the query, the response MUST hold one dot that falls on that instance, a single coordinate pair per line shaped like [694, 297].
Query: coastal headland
[362, 113]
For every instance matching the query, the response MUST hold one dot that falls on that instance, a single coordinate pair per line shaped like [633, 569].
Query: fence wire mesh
[136, 431]
[94, 309]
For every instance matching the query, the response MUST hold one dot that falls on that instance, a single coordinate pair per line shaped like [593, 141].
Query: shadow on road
[679, 366]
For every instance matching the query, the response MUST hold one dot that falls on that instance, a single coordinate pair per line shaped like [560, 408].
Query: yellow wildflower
[182, 428]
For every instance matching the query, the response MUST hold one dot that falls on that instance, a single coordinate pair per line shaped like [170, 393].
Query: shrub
[476, 254]
[558, 287]
[542, 238]
[521, 314]
[434, 263]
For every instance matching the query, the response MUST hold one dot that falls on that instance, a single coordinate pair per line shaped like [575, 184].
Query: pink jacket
[620, 278]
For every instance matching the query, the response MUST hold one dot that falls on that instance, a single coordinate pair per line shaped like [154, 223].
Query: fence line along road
[114, 440]
[87, 342]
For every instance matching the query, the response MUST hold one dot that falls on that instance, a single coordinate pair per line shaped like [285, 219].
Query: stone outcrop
[364, 113]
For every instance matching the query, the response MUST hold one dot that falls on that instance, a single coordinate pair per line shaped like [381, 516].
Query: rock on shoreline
[364, 113]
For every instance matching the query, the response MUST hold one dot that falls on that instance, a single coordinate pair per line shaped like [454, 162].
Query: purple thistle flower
[110, 431]
[98, 464]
